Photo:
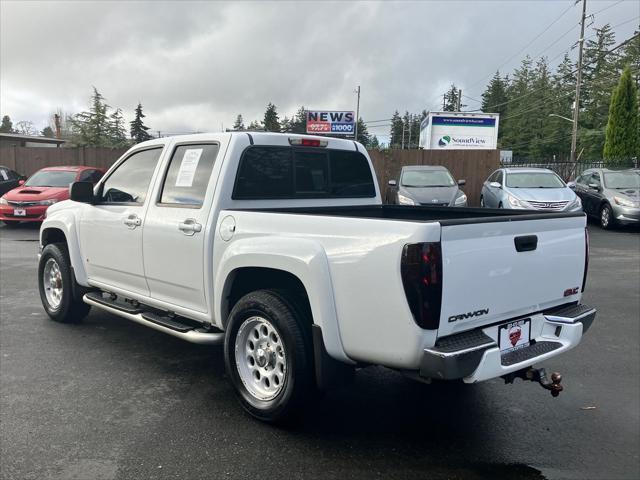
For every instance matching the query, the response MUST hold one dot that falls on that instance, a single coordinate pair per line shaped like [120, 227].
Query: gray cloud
[195, 65]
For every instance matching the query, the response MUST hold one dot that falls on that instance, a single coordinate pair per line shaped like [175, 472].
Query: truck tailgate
[486, 279]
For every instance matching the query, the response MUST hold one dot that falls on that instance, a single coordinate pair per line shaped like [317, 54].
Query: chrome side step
[148, 319]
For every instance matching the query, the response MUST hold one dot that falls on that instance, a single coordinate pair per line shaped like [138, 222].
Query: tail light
[586, 258]
[307, 142]
[421, 271]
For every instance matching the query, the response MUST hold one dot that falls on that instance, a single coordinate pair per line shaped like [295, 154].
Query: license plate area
[19, 212]
[514, 335]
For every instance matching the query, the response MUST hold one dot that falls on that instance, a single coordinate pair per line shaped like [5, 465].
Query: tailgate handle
[526, 243]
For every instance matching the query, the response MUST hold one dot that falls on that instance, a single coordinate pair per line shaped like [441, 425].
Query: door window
[90, 176]
[595, 178]
[188, 175]
[130, 181]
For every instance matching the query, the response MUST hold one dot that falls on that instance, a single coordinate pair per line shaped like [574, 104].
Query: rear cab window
[267, 172]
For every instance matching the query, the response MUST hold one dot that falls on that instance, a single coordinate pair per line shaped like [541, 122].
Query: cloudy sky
[196, 65]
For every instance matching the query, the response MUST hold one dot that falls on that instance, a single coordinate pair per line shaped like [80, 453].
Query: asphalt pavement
[109, 399]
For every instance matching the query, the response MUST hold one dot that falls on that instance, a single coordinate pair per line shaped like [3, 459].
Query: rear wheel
[606, 217]
[56, 284]
[268, 355]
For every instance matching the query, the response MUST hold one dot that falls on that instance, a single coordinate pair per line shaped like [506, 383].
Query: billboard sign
[459, 130]
[330, 122]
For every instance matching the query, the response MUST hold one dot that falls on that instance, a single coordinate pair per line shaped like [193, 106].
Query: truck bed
[421, 213]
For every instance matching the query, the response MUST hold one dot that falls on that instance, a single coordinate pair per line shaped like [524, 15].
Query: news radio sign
[331, 122]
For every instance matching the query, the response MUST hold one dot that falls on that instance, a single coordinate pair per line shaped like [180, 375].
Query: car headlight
[46, 202]
[402, 200]
[625, 202]
[461, 200]
[517, 203]
[577, 203]
[3, 201]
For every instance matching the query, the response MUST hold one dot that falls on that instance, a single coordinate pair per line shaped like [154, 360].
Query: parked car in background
[426, 185]
[529, 189]
[611, 196]
[9, 179]
[29, 202]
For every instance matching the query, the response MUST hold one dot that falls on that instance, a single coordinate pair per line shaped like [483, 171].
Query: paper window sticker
[188, 167]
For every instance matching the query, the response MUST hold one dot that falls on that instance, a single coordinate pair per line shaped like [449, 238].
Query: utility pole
[357, 114]
[410, 128]
[459, 100]
[56, 119]
[576, 103]
[402, 145]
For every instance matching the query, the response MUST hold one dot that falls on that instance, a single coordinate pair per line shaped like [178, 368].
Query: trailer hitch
[538, 375]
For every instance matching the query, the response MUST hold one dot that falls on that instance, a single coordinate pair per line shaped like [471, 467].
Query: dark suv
[612, 196]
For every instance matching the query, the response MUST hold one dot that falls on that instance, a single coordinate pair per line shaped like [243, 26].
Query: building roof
[30, 138]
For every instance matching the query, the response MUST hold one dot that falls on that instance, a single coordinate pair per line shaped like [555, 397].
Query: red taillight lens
[307, 142]
[421, 271]
[586, 258]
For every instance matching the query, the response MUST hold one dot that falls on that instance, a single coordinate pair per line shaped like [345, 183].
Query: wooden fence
[472, 165]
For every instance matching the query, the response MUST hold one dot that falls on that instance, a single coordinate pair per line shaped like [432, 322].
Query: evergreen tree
[117, 131]
[517, 128]
[93, 127]
[299, 121]
[395, 136]
[255, 126]
[7, 125]
[494, 98]
[239, 123]
[138, 129]
[363, 133]
[285, 125]
[622, 141]
[47, 132]
[451, 99]
[374, 144]
[271, 121]
[563, 86]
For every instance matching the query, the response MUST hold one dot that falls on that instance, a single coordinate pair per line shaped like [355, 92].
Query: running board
[161, 323]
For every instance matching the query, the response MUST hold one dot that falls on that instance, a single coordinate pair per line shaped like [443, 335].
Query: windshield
[427, 178]
[622, 180]
[534, 180]
[51, 178]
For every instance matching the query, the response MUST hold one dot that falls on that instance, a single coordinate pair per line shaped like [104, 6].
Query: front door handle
[132, 221]
[190, 226]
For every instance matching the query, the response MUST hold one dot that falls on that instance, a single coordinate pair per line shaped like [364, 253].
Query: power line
[526, 46]
[607, 7]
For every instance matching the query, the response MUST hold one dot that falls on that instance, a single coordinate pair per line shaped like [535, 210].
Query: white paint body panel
[350, 267]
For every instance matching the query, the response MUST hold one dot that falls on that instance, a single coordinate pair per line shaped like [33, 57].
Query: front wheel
[55, 281]
[606, 217]
[268, 355]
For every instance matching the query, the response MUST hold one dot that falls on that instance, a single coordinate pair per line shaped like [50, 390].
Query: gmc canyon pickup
[279, 247]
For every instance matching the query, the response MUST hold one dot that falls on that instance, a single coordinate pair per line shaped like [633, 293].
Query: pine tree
[517, 128]
[239, 123]
[495, 99]
[563, 87]
[47, 132]
[271, 121]
[622, 141]
[395, 136]
[374, 144]
[299, 121]
[363, 133]
[138, 129]
[117, 131]
[451, 99]
[7, 125]
[255, 126]
[92, 127]
[285, 125]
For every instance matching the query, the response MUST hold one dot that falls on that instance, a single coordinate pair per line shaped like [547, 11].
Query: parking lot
[110, 399]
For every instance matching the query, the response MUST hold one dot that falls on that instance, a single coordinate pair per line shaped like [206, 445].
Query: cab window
[129, 182]
[188, 175]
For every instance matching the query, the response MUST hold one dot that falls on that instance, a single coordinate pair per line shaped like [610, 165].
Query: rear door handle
[190, 226]
[132, 221]
[526, 243]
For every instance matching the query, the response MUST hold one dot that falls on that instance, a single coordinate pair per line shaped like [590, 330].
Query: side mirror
[495, 185]
[462, 183]
[21, 181]
[393, 183]
[594, 186]
[81, 192]
[571, 185]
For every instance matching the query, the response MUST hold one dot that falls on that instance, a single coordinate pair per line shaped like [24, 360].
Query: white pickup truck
[279, 247]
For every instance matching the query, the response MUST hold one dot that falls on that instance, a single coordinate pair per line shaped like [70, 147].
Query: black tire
[10, 223]
[69, 309]
[278, 308]
[481, 201]
[607, 220]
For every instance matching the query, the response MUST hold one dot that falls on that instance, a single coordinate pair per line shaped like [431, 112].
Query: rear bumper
[475, 355]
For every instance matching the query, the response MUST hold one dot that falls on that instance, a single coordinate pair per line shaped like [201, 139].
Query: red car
[28, 202]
